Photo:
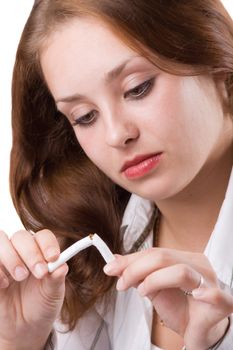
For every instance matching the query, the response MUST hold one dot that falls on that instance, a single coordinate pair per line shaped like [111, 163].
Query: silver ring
[201, 283]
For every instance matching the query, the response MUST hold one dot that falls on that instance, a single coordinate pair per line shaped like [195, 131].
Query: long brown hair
[53, 184]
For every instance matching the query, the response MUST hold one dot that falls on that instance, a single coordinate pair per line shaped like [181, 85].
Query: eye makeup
[141, 90]
[138, 92]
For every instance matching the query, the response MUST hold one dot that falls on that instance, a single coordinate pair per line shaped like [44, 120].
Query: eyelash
[138, 92]
[84, 120]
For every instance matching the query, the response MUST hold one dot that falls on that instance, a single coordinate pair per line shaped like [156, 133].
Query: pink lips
[141, 165]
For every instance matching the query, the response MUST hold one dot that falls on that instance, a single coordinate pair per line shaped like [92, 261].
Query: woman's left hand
[163, 275]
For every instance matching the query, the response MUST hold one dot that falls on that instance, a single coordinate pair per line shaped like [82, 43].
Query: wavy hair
[53, 184]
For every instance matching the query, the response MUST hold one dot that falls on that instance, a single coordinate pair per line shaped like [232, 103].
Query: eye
[141, 90]
[86, 119]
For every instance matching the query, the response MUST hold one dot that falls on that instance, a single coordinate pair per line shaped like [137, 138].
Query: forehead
[85, 48]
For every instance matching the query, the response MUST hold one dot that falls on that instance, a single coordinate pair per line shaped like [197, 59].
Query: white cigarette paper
[80, 245]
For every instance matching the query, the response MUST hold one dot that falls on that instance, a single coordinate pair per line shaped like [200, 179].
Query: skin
[183, 118]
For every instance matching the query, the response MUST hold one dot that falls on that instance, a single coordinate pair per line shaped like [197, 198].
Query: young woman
[122, 125]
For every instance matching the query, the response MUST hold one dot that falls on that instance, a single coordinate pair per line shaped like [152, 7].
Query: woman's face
[149, 131]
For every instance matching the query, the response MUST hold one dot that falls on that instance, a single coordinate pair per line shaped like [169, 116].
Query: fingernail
[111, 268]
[20, 273]
[120, 285]
[51, 253]
[141, 290]
[40, 270]
[196, 293]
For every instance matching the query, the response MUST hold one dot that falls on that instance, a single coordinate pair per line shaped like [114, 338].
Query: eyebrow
[113, 74]
[110, 76]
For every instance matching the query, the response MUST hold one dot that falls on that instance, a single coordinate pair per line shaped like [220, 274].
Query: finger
[148, 256]
[215, 296]
[30, 253]
[176, 276]
[11, 260]
[48, 244]
[154, 255]
[54, 283]
[144, 265]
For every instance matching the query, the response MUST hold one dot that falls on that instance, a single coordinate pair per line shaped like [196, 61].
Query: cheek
[167, 118]
[86, 142]
[91, 144]
[179, 121]
[193, 124]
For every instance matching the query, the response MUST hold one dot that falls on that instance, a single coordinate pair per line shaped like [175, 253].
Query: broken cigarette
[91, 240]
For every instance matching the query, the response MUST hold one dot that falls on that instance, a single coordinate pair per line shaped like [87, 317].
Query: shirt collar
[137, 214]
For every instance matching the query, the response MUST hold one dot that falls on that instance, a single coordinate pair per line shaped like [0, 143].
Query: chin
[158, 190]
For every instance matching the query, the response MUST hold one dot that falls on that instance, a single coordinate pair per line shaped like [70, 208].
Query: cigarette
[91, 240]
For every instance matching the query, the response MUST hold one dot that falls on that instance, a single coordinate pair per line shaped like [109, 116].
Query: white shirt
[127, 322]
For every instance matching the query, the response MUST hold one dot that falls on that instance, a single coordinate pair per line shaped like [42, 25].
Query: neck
[188, 218]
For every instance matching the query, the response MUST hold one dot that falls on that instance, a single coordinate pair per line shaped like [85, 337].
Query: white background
[13, 15]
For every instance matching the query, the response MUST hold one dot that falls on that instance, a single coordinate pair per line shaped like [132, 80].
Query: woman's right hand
[30, 297]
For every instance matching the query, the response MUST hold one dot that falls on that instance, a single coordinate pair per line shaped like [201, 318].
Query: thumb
[54, 283]
[216, 297]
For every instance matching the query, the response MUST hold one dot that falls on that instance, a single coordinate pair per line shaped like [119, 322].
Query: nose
[120, 132]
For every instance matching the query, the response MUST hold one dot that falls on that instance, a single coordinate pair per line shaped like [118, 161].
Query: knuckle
[184, 273]
[34, 259]
[148, 282]
[216, 296]
[162, 258]
[9, 256]
[43, 233]
[2, 234]
[47, 242]
[123, 262]
[127, 275]
[4, 239]
[18, 235]
[26, 247]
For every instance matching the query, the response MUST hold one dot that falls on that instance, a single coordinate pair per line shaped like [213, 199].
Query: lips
[141, 165]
